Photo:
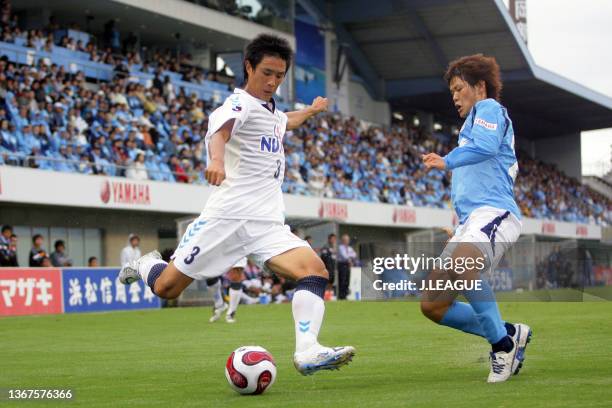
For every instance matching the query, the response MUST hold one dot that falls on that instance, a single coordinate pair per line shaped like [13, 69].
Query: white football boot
[217, 312]
[522, 336]
[230, 318]
[129, 273]
[318, 357]
[502, 364]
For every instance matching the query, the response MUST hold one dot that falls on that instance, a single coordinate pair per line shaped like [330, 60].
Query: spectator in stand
[13, 251]
[137, 169]
[92, 262]
[37, 253]
[8, 249]
[58, 257]
[131, 252]
[328, 254]
[347, 257]
[179, 172]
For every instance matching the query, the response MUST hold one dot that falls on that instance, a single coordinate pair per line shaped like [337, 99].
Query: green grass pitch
[175, 358]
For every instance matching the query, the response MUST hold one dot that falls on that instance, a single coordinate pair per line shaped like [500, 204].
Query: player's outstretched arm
[215, 171]
[296, 118]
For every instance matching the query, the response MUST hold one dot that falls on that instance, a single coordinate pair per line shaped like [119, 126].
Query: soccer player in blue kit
[483, 168]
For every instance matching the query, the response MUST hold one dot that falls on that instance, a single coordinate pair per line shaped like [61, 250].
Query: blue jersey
[484, 164]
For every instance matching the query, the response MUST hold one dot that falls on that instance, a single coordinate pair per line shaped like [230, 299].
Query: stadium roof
[400, 48]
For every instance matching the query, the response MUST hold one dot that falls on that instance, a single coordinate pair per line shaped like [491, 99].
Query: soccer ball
[250, 370]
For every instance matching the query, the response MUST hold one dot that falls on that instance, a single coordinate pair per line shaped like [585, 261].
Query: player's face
[265, 79]
[464, 95]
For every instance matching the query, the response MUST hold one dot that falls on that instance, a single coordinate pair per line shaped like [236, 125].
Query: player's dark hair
[35, 237]
[6, 228]
[58, 243]
[266, 45]
[474, 68]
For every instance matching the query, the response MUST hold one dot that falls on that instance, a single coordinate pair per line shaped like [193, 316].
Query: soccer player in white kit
[235, 293]
[244, 214]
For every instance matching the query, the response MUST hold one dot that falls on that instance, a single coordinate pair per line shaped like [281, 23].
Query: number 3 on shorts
[278, 166]
[194, 252]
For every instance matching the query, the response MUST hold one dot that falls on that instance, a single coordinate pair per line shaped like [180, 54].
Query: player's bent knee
[434, 310]
[166, 290]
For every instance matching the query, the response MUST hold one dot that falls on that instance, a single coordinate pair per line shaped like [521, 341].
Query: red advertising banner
[25, 291]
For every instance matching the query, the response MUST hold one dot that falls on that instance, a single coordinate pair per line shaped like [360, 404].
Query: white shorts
[492, 230]
[211, 246]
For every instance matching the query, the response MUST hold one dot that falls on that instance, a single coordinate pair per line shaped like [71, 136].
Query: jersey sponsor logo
[485, 124]
[235, 101]
[463, 141]
[270, 144]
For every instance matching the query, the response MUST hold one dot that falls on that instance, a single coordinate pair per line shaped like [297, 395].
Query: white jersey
[254, 161]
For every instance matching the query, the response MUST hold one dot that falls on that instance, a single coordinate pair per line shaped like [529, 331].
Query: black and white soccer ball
[250, 370]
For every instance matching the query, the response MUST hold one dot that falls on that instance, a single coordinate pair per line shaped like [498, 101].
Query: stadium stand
[118, 113]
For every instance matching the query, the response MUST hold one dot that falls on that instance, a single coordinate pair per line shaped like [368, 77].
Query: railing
[31, 56]
[74, 61]
[22, 160]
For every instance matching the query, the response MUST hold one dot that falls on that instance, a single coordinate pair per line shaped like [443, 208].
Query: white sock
[308, 310]
[144, 268]
[249, 300]
[215, 291]
[234, 295]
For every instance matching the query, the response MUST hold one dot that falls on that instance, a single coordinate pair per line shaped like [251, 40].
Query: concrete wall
[364, 235]
[564, 151]
[115, 226]
[350, 97]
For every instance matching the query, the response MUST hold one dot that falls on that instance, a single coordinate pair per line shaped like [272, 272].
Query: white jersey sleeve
[232, 109]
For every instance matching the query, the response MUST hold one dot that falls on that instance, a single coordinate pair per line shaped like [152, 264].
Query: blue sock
[154, 273]
[487, 313]
[461, 316]
[510, 329]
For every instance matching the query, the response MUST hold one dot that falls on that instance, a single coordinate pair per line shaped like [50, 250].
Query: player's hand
[433, 161]
[215, 172]
[319, 104]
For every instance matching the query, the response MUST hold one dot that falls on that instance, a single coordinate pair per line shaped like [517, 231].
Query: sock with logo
[308, 310]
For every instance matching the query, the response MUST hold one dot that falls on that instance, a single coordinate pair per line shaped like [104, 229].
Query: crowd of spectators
[55, 120]
[124, 54]
[38, 256]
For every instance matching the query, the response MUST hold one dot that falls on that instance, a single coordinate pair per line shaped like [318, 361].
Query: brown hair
[474, 68]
